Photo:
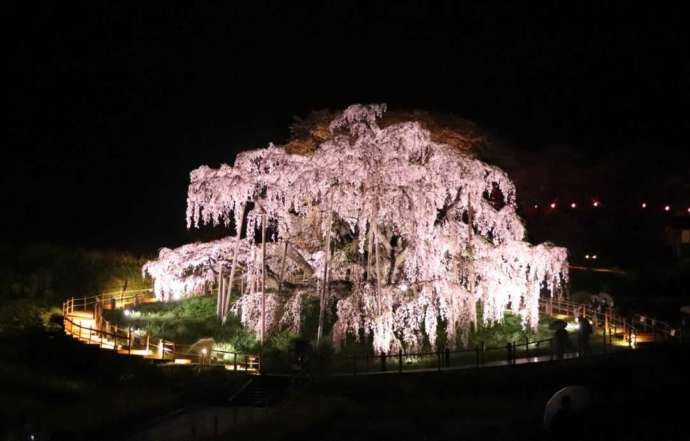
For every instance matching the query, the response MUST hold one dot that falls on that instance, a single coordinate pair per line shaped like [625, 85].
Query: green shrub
[186, 321]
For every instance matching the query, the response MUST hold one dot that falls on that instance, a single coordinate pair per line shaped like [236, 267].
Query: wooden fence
[617, 333]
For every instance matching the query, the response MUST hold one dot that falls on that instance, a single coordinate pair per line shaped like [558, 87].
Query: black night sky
[111, 105]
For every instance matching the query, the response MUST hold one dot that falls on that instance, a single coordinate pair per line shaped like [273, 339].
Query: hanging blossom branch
[421, 232]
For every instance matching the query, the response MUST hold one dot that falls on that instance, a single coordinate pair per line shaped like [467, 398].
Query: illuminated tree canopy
[392, 231]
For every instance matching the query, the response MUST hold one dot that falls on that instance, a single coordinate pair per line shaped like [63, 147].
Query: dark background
[112, 105]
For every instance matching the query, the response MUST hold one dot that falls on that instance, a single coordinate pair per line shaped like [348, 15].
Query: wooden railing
[618, 332]
[630, 328]
[126, 340]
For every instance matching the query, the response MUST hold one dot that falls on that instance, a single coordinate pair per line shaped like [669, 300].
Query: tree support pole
[282, 268]
[324, 290]
[226, 299]
[378, 271]
[370, 251]
[219, 301]
[263, 280]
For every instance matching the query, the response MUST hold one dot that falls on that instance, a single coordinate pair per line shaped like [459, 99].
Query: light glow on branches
[423, 232]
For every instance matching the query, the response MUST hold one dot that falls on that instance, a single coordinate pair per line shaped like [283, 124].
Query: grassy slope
[189, 320]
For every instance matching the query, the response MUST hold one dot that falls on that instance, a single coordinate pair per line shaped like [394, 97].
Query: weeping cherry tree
[394, 233]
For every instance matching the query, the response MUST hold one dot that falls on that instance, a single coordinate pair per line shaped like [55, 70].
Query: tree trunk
[296, 257]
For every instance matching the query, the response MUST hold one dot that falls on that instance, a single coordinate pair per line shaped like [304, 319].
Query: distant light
[644, 205]
[537, 206]
[127, 312]
[573, 205]
[573, 326]
[553, 205]
[403, 287]
[594, 257]
[688, 209]
[587, 256]
[204, 351]
[595, 203]
[667, 208]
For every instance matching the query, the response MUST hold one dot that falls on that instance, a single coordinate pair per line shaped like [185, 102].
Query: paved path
[87, 324]
[517, 361]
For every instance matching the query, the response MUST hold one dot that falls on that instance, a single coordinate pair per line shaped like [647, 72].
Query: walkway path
[83, 320]
[517, 361]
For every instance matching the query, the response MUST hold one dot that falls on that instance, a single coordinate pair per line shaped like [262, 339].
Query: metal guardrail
[125, 340]
[617, 333]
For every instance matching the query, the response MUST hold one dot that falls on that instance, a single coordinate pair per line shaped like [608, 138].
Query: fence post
[354, 364]
[400, 363]
[615, 327]
[483, 346]
[447, 360]
[476, 350]
[129, 338]
[605, 344]
[606, 322]
[366, 362]
[509, 349]
[526, 347]
[383, 362]
[438, 358]
[234, 361]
